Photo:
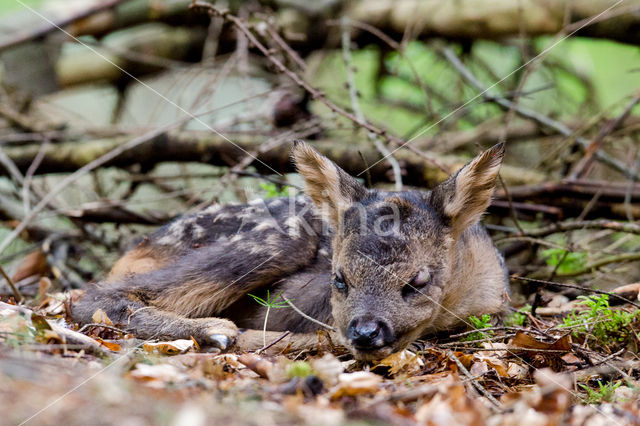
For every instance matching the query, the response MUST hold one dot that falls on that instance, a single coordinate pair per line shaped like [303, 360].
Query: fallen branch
[558, 127]
[575, 287]
[205, 147]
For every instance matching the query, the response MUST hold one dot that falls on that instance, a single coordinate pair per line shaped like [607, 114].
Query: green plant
[479, 324]
[604, 393]
[515, 319]
[271, 190]
[566, 262]
[270, 303]
[599, 320]
[299, 369]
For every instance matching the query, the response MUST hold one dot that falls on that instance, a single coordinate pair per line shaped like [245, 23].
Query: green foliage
[606, 325]
[299, 369]
[604, 393]
[480, 323]
[277, 302]
[271, 302]
[566, 262]
[271, 190]
[515, 319]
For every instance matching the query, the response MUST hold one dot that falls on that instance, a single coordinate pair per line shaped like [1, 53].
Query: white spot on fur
[199, 231]
[294, 225]
[215, 208]
[265, 225]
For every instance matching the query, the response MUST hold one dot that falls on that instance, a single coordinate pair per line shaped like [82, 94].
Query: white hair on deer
[294, 226]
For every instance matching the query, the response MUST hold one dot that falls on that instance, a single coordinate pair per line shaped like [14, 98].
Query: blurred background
[117, 116]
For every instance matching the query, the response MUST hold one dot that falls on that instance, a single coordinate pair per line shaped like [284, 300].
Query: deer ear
[465, 195]
[332, 189]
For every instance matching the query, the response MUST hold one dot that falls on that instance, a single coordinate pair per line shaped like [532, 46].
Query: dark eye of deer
[416, 284]
[338, 283]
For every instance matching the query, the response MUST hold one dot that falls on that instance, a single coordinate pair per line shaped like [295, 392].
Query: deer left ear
[465, 195]
[332, 189]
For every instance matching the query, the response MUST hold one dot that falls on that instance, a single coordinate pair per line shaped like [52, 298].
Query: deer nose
[367, 333]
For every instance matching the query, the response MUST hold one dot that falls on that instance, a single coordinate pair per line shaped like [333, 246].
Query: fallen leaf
[173, 347]
[109, 345]
[629, 291]
[157, 375]
[526, 341]
[517, 371]
[404, 361]
[327, 368]
[43, 287]
[35, 263]
[351, 384]
[100, 317]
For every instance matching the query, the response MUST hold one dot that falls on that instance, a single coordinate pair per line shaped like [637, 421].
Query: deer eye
[417, 283]
[338, 283]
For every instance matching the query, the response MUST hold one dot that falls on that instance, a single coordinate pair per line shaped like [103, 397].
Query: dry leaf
[158, 375]
[404, 361]
[43, 287]
[517, 371]
[351, 384]
[629, 291]
[173, 347]
[100, 317]
[35, 263]
[327, 368]
[257, 364]
[523, 340]
[109, 345]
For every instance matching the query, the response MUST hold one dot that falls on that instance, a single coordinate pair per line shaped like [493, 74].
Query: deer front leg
[153, 323]
[126, 310]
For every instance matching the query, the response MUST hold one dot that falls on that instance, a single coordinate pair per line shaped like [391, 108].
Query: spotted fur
[192, 277]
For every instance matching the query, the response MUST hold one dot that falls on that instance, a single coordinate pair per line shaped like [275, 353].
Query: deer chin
[372, 354]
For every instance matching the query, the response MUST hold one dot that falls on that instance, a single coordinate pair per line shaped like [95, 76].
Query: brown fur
[139, 260]
[405, 263]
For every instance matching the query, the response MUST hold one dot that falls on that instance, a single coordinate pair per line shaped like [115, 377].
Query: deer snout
[367, 333]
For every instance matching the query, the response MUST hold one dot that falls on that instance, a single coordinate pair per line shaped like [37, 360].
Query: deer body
[383, 268]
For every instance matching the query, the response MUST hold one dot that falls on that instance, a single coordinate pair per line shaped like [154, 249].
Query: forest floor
[574, 362]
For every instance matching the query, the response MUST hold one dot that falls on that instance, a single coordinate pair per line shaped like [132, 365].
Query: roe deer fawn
[383, 268]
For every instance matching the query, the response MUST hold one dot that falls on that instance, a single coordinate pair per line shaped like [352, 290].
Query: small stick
[264, 348]
[95, 324]
[320, 323]
[475, 383]
[577, 287]
[14, 289]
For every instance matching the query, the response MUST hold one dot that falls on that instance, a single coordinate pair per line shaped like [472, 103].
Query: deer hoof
[219, 341]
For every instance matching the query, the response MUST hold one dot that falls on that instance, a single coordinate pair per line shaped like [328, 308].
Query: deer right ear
[332, 189]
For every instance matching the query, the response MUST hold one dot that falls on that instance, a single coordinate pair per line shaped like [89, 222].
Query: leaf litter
[535, 375]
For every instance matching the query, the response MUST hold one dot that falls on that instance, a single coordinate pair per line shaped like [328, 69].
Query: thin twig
[534, 115]
[315, 94]
[320, 323]
[95, 324]
[473, 382]
[31, 33]
[264, 348]
[355, 104]
[577, 287]
[64, 183]
[14, 289]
